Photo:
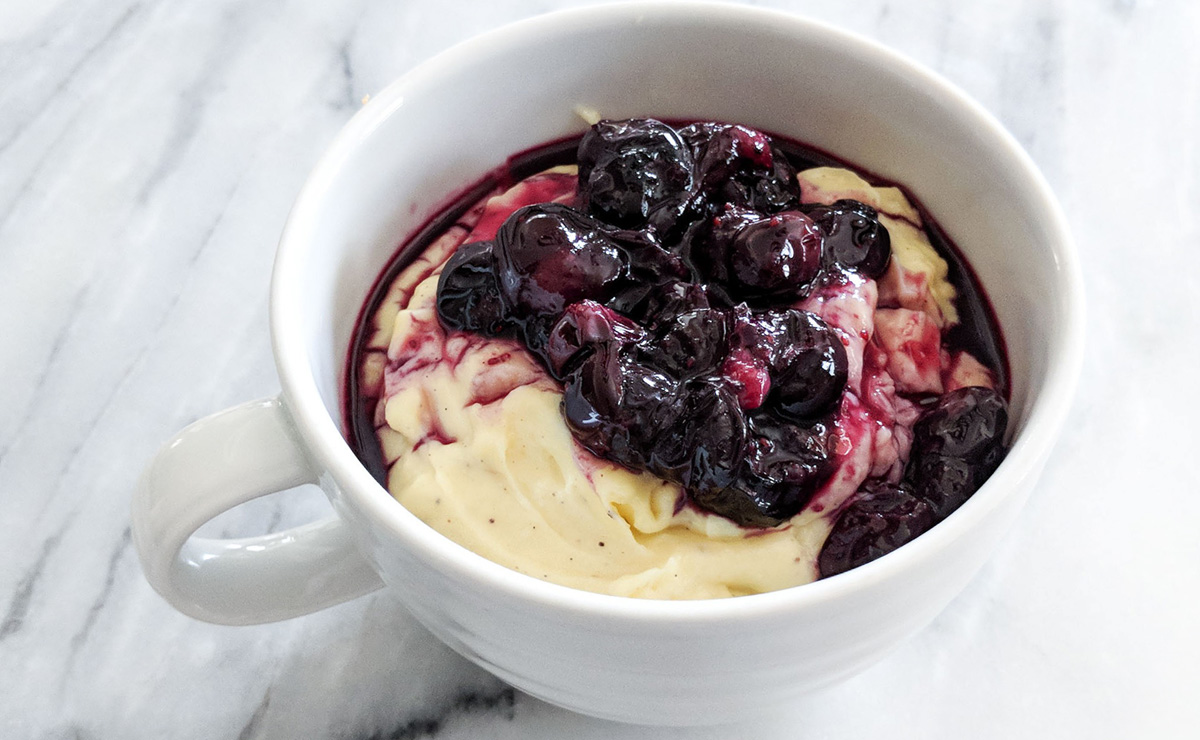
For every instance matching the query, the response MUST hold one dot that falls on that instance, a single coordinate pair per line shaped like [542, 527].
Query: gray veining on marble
[149, 153]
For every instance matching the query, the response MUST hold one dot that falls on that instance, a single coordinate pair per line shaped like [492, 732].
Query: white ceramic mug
[441, 128]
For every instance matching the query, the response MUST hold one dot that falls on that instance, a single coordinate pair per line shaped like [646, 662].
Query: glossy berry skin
[965, 423]
[855, 240]
[582, 327]
[809, 367]
[707, 245]
[654, 303]
[717, 432]
[775, 258]
[657, 282]
[687, 344]
[957, 444]
[785, 464]
[617, 407]
[945, 483]
[468, 296]
[724, 151]
[882, 518]
[777, 190]
[804, 356]
[630, 169]
[649, 260]
[740, 166]
[549, 256]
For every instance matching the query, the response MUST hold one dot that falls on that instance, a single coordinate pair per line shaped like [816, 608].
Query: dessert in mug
[679, 362]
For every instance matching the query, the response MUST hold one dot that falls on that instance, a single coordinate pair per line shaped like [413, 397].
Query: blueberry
[965, 423]
[778, 191]
[582, 327]
[785, 465]
[651, 268]
[629, 169]
[550, 255]
[945, 483]
[957, 444]
[648, 258]
[775, 258]
[741, 166]
[617, 408]
[757, 332]
[717, 430]
[724, 151]
[468, 297]
[809, 366]
[709, 243]
[534, 330]
[882, 518]
[697, 135]
[656, 302]
[804, 356]
[855, 240]
[687, 344]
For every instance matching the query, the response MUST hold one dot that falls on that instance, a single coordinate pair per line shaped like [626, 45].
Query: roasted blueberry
[756, 332]
[550, 255]
[803, 355]
[535, 331]
[709, 243]
[775, 258]
[629, 169]
[582, 327]
[651, 268]
[687, 344]
[723, 151]
[882, 518]
[855, 240]
[468, 297]
[778, 191]
[617, 408]
[717, 430]
[965, 423]
[702, 447]
[657, 302]
[741, 166]
[785, 464]
[809, 367]
[945, 483]
[648, 258]
[957, 444]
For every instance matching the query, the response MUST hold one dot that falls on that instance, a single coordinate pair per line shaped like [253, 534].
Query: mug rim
[327, 445]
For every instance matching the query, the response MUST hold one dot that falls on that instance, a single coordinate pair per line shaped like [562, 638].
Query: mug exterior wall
[445, 125]
[651, 667]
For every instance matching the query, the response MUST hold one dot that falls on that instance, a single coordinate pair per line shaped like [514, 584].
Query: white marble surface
[149, 152]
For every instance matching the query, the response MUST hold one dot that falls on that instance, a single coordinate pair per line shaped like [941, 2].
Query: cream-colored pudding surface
[477, 447]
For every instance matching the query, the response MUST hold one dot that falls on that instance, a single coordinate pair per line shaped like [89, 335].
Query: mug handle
[211, 466]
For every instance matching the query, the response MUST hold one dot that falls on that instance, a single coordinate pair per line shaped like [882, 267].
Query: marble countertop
[149, 153]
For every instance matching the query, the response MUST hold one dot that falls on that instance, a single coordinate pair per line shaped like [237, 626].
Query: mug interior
[440, 129]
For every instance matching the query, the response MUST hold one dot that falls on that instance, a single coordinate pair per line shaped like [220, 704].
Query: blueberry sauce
[666, 302]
